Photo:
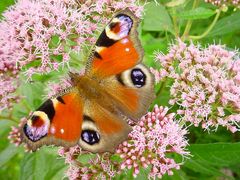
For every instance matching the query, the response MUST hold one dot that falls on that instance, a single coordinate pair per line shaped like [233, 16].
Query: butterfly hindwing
[132, 90]
[102, 129]
[57, 121]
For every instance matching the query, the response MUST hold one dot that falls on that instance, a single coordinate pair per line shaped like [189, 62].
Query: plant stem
[175, 24]
[162, 86]
[25, 104]
[208, 29]
[189, 22]
[9, 118]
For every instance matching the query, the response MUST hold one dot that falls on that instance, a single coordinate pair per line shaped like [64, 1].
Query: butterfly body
[93, 112]
[88, 87]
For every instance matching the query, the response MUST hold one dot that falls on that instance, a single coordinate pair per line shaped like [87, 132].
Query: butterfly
[93, 112]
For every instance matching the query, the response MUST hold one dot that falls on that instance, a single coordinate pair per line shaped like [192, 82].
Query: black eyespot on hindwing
[138, 77]
[90, 137]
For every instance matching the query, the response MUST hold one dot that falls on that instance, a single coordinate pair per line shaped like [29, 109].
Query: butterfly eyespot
[90, 137]
[113, 25]
[36, 121]
[138, 77]
[35, 134]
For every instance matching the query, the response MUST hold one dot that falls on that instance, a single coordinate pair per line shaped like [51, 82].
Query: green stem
[189, 22]
[9, 118]
[25, 104]
[208, 29]
[175, 24]
[162, 86]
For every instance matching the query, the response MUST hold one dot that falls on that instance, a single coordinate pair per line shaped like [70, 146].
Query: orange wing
[66, 124]
[131, 90]
[118, 47]
[57, 122]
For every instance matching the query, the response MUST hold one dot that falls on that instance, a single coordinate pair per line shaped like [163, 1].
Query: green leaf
[33, 93]
[163, 92]
[198, 13]
[226, 25]
[43, 164]
[71, 43]
[77, 60]
[5, 125]
[4, 4]
[150, 45]
[8, 153]
[157, 18]
[209, 158]
[177, 175]
[54, 42]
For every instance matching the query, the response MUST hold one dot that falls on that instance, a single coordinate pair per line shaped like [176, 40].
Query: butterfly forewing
[117, 48]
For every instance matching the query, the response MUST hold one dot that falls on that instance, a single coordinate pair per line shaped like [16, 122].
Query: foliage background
[215, 155]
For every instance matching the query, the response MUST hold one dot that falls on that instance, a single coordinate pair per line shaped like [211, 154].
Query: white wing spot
[52, 130]
[124, 41]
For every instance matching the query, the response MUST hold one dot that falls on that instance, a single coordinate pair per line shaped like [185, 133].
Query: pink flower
[206, 84]
[14, 135]
[8, 82]
[224, 2]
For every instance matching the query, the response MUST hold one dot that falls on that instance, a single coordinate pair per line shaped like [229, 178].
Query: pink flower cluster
[39, 36]
[46, 32]
[97, 167]
[151, 142]
[14, 135]
[65, 83]
[153, 139]
[8, 83]
[224, 2]
[54, 88]
[206, 84]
